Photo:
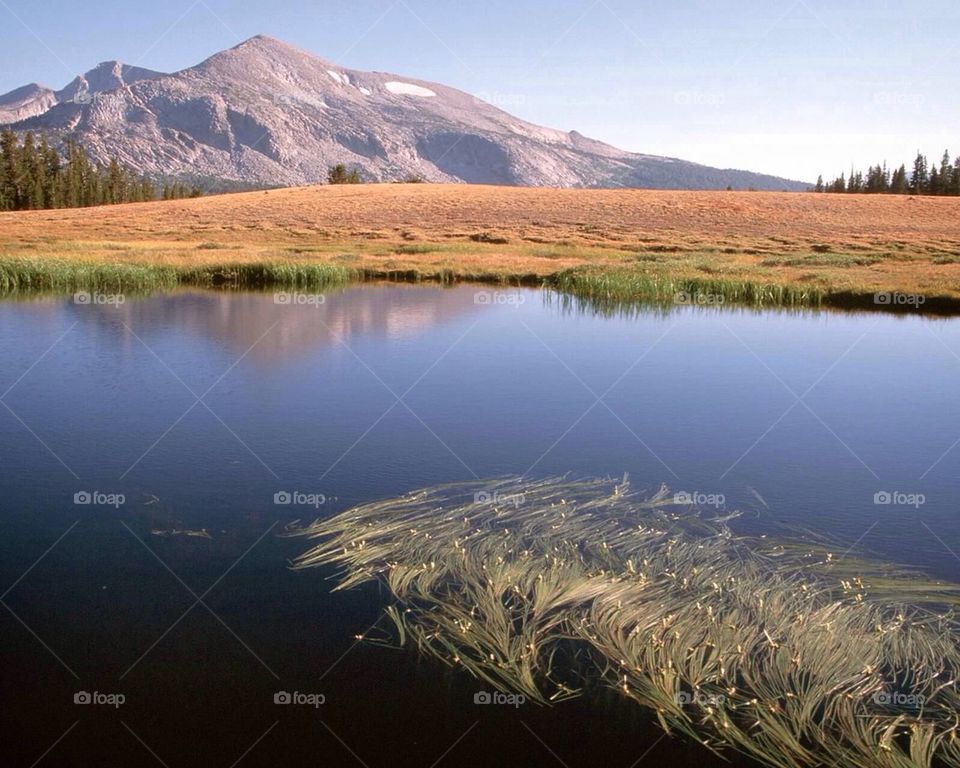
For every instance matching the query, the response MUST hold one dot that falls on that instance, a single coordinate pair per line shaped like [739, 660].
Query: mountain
[25, 101]
[106, 76]
[268, 113]
[34, 99]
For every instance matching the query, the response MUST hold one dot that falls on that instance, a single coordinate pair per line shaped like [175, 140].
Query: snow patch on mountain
[407, 89]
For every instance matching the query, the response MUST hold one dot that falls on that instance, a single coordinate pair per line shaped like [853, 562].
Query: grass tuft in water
[44, 276]
[617, 291]
[56, 276]
[267, 275]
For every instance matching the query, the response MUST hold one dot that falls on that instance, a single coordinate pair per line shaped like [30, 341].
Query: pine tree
[8, 190]
[113, 189]
[23, 173]
[898, 184]
[919, 181]
[39, 182]
[338, 174]
[51, 162]
[946, 172]
[942, 179]
[855, 184]
[35, 175]
[878, 179]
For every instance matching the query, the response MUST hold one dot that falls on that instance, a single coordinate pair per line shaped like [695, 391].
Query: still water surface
[198, 408]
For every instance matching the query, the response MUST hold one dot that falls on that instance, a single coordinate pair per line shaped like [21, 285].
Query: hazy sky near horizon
[790, 87]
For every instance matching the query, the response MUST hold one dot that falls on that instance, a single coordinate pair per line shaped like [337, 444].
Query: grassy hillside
[614, 244]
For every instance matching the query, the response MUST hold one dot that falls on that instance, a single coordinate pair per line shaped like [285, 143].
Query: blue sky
[792, 87]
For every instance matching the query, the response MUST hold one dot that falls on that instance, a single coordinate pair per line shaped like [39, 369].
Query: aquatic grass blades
[776, 649]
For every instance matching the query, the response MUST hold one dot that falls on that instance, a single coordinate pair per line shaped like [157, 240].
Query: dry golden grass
[833, 243]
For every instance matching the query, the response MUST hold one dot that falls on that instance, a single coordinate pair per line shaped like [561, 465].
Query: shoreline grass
[20, 276]
[604, 290]
[619, 290]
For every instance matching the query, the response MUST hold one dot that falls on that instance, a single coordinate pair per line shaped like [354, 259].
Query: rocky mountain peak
[268, 113]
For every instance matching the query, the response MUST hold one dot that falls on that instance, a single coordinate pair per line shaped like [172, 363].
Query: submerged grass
[785, 651]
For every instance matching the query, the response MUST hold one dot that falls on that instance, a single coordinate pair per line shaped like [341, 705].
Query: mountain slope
[25, 102]
[269, 113]
[106, 76]
[35, 99]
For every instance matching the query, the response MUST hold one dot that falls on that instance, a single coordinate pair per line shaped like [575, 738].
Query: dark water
[797, 419]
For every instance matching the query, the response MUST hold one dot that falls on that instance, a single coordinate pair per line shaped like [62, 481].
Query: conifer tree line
[35, 175]
[924, 178]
